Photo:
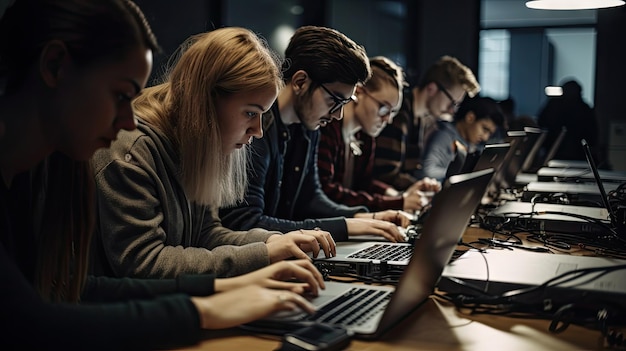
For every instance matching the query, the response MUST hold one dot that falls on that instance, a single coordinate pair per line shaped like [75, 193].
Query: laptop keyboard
[354, 307]
[384, 252]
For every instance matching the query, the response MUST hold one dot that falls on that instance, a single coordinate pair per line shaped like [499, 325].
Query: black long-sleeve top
[114, 314]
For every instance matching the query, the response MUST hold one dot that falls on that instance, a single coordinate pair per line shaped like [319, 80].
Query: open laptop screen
[596, 176]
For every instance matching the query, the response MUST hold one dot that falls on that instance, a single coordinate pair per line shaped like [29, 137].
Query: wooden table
[437, 325]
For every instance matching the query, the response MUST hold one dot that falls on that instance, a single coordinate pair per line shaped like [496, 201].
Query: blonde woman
[159, 186]
[346, 148]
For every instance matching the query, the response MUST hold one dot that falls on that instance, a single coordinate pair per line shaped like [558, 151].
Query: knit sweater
[148, 228]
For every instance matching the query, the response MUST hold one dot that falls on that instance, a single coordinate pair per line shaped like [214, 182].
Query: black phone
[317, 337]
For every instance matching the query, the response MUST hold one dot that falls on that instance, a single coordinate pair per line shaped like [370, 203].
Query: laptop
[596, 175]
[538, 278]
[529, 162]
[567, 164]
[368, 311]
[374, 257]
[586, 194]
[522, 141]
[548, 174]
[559, 218]
[529, 150]
[492, 157]
[594, 194]
[555, 147]
[495, 272]
[549, 218]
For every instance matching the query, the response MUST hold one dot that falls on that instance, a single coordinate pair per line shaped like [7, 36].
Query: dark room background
[415, 33]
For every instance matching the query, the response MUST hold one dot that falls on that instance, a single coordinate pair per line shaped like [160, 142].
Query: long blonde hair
[221, 62]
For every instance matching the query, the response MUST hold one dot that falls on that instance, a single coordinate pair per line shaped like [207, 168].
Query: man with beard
[438, 94]
[322, 68]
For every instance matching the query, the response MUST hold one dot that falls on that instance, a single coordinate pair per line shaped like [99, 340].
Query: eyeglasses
[384, 109]
[339, 101]
[453, 103]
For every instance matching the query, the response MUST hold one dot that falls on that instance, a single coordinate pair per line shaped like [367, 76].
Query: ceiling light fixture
[572, 4]
[553, 91]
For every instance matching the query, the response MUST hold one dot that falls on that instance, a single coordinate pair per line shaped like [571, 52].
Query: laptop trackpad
[297, 314]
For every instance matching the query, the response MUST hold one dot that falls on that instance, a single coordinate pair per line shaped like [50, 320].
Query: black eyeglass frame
[339, 101]
[445, 91]
[388, 109]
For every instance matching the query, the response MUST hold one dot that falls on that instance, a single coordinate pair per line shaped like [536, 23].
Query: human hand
[296, 243]
[399, 218]
[420, 194]
[414, 201]
[368, 226]
[280, 275]
[426, 185]
[246, 304]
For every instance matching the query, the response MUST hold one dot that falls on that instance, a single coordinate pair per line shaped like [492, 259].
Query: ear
[470, 117]
[359, 90]
[53, 57]
[431, 89]
[300, 82]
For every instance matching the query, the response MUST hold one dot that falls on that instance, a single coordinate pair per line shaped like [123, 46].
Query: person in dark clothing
[69, 70]
[322, 68]
[571, 112]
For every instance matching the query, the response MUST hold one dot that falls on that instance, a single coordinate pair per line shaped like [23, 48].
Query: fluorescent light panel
[572, 4]
[553, 91]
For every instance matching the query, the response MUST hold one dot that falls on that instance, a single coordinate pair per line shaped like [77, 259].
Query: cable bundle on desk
[618, 196]
[610, 243]
[535, 302]
[617, 201]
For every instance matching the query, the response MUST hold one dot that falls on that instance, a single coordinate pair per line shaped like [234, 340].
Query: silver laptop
[549, 218]
[567, 164]
[368, 311]
[548, 174]
[369, 258]
[495, 272]
[582, 193]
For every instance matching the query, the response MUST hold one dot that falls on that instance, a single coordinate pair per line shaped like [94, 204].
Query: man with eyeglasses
[321, 70]
[346, 150]
[400, 146]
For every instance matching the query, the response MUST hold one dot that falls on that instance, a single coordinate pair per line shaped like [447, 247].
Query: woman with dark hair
[69, 70]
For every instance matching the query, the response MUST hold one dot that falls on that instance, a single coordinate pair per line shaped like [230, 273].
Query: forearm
[172, 261]
[106, 289]
[147, 324]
